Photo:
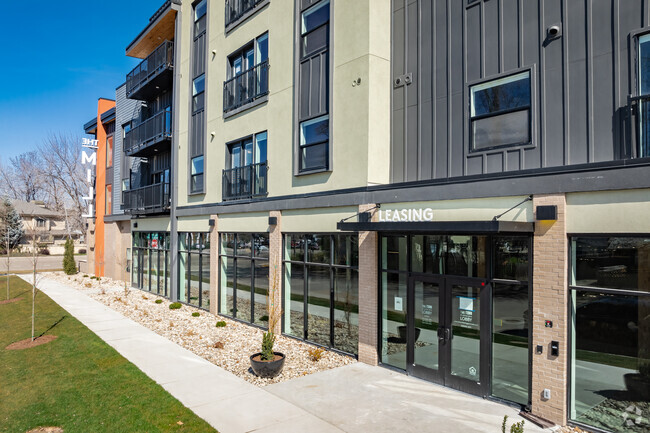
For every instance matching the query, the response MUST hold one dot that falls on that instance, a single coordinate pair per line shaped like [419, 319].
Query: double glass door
[447, 332]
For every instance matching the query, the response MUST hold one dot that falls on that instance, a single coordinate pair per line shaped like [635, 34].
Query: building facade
[457, 190]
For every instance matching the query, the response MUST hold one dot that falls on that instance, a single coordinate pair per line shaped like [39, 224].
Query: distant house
[49, 226]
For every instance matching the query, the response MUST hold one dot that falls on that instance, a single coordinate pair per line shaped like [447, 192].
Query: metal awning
[440, 227]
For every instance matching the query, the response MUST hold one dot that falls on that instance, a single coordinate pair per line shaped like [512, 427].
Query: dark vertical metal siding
[198, 137]
[579, 82]
[125, 110]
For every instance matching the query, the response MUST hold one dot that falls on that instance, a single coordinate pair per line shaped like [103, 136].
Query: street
[44, 263]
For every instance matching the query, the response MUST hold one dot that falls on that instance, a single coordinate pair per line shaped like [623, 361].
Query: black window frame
[332, 267]
[203, 251]
[529, 108]
[254, 259]
[197, 180]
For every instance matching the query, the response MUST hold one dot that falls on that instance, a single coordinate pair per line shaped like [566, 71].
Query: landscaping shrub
[175, 305]
[82, 251]
[220, 324]
[196, 314]
[44, 252]
[218, 345]
[315, 353]
[264, 318]
[158, 301]
[69, 266]
[85, 275]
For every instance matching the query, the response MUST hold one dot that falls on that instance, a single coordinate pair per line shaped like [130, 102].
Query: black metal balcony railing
[153, 130]
[245, 182]
[235, 9]
[160, 60]
[147, 199]
[246, 87]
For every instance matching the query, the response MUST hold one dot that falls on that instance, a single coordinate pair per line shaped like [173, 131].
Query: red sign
[154, 243]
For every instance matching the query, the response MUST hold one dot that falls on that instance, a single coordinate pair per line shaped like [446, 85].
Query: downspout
[173, 223]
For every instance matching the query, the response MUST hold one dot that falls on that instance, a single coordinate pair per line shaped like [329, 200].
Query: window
[109, 200]
[109, 151]
[194, 269]
[150, 262]
[313, 152]
[501, 112]
[321, 289]
[126, 128]
[198, 90]
[244, 264]
[245, 175]
[248, 74]
[610, 313]
[315, 28]
[199, 17]
[40, 222]
[644, 94]
[196, 183]
[126, 184]
[314, 139]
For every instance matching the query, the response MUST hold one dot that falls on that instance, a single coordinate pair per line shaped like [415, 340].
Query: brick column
[368, 293]
[214, 266]
[550, 302]
[275, 274]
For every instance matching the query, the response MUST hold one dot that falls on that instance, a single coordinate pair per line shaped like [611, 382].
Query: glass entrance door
[447, 335]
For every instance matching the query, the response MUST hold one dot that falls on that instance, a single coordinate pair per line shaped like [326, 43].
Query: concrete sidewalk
[355, 398]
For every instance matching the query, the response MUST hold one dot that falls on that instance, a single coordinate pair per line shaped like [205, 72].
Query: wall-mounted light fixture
[273, 221]
[546, 213]
[211, 222]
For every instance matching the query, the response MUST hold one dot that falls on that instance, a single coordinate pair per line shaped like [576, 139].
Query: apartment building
[457, 190]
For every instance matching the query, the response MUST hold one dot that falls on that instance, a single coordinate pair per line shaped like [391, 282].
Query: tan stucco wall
[248, 222]
[609, 212]
[483, 209]
[360, 113]
[151, 225]
[117, 241]
[315, 220]
[194, 224]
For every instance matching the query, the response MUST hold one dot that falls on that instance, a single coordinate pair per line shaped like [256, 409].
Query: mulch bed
[10, 301]
[28, 343]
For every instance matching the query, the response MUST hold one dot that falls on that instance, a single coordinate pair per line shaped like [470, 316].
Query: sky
[58, 59]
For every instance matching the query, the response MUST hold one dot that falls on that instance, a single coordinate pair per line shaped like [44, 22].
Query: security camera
[554, 31]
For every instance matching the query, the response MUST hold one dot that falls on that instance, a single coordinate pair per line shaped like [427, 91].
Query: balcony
[245, 182]
[149, 199]
[236, 10]
[152, 74]
[151, 136]
[246, 87]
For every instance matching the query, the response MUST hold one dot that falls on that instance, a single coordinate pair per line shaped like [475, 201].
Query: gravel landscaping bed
[199, 334]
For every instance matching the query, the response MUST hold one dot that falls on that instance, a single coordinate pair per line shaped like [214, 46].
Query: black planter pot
[267, 369]
[638, 385]
[402, 333]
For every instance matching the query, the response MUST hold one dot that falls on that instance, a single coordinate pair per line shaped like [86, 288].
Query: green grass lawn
[76, 382]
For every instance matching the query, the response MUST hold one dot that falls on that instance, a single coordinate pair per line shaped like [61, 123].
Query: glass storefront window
[610, 387]
[510, 333]
[610, 262]
[244, 260]
[610, 353]
[321, 281]
[150, 265]
[194, 269]
[511, 258]
[394, 319]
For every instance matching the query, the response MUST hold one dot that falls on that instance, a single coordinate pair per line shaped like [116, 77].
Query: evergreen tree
[69, 266]
[11, 226]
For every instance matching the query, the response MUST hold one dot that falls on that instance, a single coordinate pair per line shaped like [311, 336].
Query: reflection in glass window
[314, 137]
[611, 262]
[500, 112]
[611, 361]
[244, 261]
[321, 284]
[196, 181]
[150, 262]
[644, 90]
[194, 269]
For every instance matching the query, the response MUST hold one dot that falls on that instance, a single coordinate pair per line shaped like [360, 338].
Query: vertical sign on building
[89, 162]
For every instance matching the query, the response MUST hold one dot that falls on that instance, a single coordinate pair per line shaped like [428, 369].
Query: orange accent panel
[103, 105]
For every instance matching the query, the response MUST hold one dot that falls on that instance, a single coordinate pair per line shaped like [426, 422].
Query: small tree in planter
[268, 363]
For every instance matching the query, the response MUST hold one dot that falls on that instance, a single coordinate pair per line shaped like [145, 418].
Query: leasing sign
[89, 161]
[406, 215]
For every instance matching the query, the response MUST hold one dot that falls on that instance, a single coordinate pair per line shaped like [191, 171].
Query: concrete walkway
[354, 398]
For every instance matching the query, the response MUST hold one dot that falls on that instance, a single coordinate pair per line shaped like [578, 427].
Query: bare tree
[64, 175]
[34, 239]
[22, 178]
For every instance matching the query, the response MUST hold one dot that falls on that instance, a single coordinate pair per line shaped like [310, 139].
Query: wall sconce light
[546, 213]
[211, 222]
[273, 221]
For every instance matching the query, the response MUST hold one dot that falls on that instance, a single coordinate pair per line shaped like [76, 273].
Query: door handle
[447, 334]
[441, 335]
